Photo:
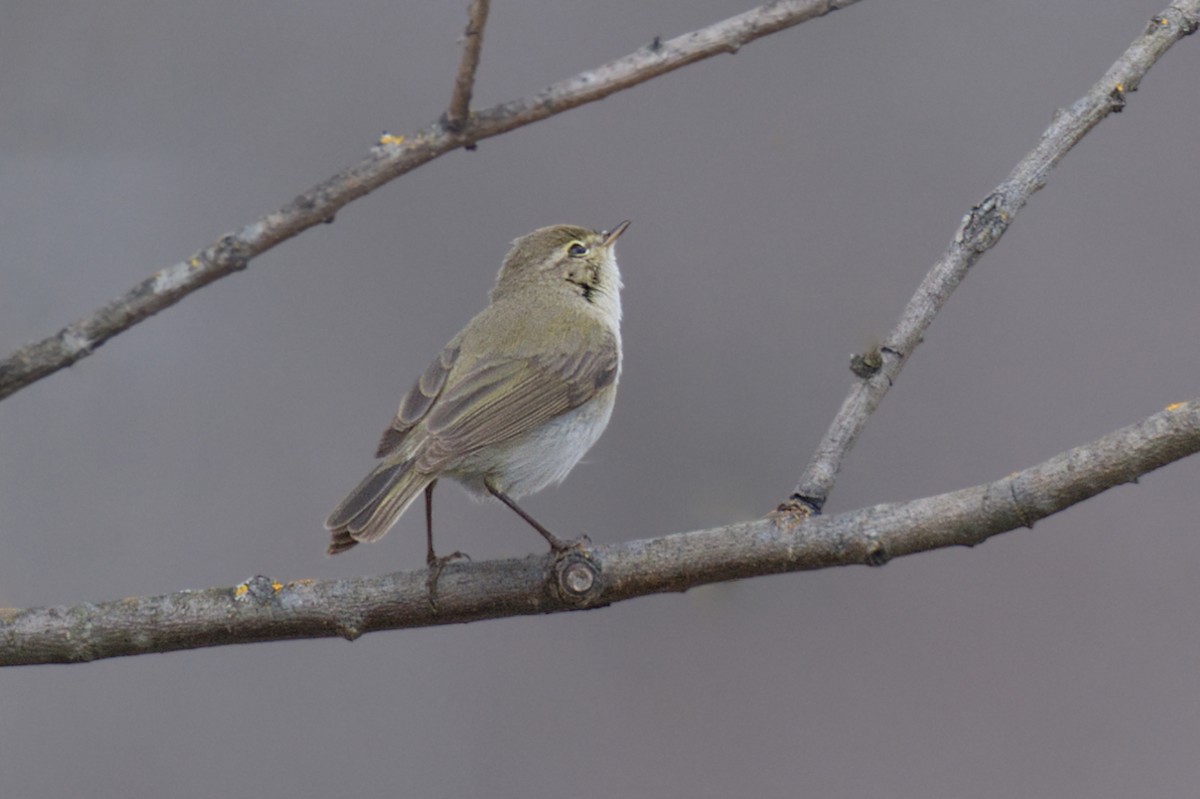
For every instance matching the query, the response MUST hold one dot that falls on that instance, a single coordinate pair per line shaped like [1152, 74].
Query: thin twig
[391, 158]
[464, 82]
[262, 609]
[981, 228]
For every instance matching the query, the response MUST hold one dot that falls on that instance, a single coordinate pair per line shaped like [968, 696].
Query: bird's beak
[611, 236]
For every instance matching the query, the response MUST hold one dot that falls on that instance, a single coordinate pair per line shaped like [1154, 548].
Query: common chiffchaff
[514, 400]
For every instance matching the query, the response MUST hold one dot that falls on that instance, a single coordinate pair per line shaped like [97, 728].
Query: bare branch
[589, 576]
[981, 228]
[391, 158]
[464, 81]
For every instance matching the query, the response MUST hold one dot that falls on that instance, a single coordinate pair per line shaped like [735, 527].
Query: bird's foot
[436, 565]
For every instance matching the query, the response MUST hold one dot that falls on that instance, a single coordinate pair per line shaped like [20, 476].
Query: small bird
[514, 400]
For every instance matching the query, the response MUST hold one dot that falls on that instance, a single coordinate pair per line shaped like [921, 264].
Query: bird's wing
[501, 398]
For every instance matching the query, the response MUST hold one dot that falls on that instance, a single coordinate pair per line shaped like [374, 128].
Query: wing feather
[418, 400]
[503, 398]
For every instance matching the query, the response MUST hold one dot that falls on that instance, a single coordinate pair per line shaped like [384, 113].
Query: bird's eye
[577, 250]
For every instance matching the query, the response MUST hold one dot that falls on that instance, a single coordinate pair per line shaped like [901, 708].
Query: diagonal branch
[464, 81]
[262, 609]
[393, 157]
[981, 228]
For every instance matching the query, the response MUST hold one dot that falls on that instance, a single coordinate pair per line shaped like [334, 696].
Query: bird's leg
[436, 564]
[556, 544]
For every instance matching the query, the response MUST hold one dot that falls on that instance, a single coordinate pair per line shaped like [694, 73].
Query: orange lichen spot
[1174, 406]
[276, 586]
[388, 138]
[241, 590]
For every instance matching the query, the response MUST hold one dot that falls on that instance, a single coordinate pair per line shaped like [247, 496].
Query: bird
[511, 403]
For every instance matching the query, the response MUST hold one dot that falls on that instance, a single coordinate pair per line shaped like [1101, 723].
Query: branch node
[230, 252]
[877, 553]
[1116, 98]
[451, 125]
[866, 364]
[983, 226]
[1187, 26]
[349, 631]
[578, 577]
[258, 588]
[790, 513]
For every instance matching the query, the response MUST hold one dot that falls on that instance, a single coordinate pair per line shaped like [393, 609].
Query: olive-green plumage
[513, 402]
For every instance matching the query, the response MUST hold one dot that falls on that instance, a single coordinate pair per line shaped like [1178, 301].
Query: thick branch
[393, 157]
[594, 576]
[981, 228]
[464, 81]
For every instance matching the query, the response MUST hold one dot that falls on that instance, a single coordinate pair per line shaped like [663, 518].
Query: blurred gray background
[786, 202]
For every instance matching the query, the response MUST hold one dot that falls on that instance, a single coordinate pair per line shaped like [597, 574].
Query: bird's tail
[374, 505]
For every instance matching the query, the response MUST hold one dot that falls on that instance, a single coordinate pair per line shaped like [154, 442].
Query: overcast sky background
[785, 204]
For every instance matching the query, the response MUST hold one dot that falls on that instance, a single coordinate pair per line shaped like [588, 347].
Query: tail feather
[341, 542]
[374, 505]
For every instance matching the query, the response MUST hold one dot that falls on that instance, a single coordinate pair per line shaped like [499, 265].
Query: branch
[980, 230]
[464, 81]
[591, 576]
[391, 158]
